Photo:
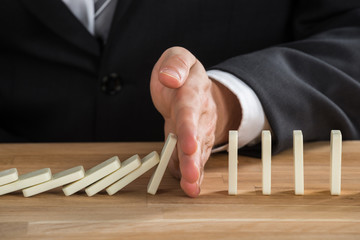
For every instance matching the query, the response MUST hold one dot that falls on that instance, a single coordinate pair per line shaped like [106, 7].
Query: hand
[198, 110]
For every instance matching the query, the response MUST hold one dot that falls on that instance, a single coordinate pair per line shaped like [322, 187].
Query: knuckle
[187, 94]
[178, 49]
[181, 61]
[185, 115]
[208, 144]
[180, 55]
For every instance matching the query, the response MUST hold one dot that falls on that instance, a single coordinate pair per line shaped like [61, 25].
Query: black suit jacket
[300, 57]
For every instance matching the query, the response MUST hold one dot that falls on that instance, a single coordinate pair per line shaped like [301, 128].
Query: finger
[191, 189]
[186, 128]
[187, 111]
[205, 155]
[190, 167]
[188, 143]
[175, 66]
[173, 166]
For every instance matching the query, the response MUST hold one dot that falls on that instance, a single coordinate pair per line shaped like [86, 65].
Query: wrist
[228, 112]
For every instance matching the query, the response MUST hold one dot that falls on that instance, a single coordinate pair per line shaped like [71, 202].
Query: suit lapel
[119, 20]
[55, 15]
[121, 8]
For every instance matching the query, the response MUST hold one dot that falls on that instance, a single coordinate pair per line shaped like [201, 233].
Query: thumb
[175, 67]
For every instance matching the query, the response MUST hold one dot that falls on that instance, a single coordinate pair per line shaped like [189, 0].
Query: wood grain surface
[134, 214]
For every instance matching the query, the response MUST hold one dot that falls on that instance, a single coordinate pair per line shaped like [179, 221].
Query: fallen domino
[127, 167]
[165, 155]
[92, 175]
[148, 162]
[8, 176]
[57, 180]
[27, 180]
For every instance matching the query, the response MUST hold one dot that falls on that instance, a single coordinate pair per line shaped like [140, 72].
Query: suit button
[111, 84]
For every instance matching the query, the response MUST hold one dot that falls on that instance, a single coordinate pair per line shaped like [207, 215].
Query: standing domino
[165, 155]
[8, 176]
[127, 166]
[147, 163]
[92, 175]
[58, 180]
[298, 162]
[335, 162]
[266, 162]
[233, 162]
[27, 180]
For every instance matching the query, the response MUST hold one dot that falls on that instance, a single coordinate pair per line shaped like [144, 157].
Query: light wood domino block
[57, 180]
[266, 162]
[165, 155]
[298, 162]
[27, 180]
[8, 176]
[335, 162]
[92, 175]
[233, 162]
[147, 163]
[127, 166]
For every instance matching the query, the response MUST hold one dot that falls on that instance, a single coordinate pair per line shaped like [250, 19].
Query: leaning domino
[266, 162]
[27, 180]
[165, 155]
[8, 176]
[58, 180]
[93, 175]
[298, 162]
[127, 166]
[233, 162]
[335, 162]
[147, 163]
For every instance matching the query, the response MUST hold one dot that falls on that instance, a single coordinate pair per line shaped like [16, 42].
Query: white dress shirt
[253, 117]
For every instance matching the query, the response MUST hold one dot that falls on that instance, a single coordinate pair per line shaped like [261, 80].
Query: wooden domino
[27, 180]
[233, 162]
[127, 166]
[335, 162]
[8, 176]
[298, 162]
[92, 175]
[266, 162]
[147, 163]
[165, 155]
[58, 180]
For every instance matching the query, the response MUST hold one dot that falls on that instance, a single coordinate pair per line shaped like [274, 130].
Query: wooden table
[133, 214]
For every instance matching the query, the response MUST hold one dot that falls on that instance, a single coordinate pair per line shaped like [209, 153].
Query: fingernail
[172, 73]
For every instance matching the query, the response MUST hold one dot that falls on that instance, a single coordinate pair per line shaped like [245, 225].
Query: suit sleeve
[313, 82]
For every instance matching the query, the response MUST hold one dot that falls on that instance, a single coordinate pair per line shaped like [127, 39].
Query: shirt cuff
[253, 117]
